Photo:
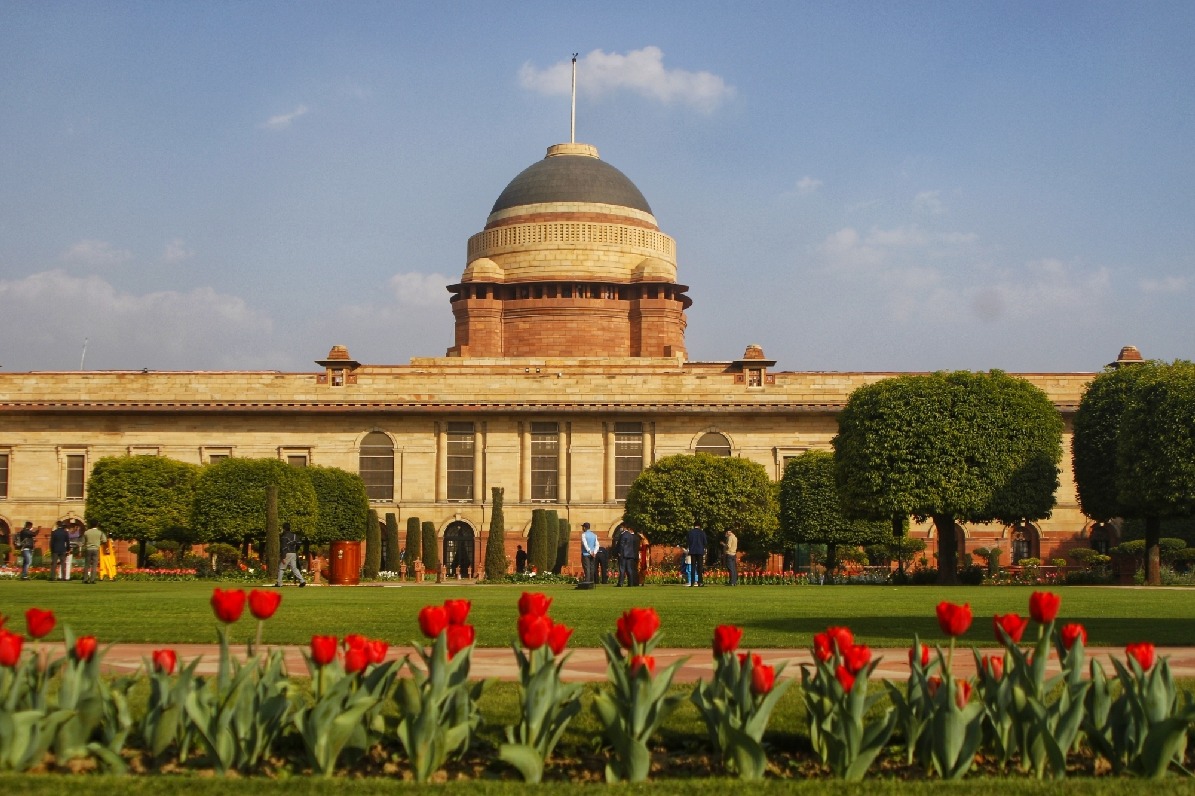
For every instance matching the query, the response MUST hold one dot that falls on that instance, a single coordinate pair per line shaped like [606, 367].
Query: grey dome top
[571, 173]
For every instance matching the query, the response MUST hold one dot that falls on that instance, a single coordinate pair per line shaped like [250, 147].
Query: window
[210, 454]
[545, 461]
[628, 456]
[460, 461]
[4, 475]
[754, 377]
[376, 466]
[296, 460]
[714, 444]
[295, 457]
[75, 464]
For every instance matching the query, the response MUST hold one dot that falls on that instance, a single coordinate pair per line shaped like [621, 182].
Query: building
[568, 375]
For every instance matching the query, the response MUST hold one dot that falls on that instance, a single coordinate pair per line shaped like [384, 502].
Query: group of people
[99, 558]
[696, 548]
[629, 548]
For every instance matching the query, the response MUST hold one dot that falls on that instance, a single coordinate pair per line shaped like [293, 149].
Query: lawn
[773, 616]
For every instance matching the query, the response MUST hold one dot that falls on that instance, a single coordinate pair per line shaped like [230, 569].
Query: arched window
[377, 466]
[714, 444]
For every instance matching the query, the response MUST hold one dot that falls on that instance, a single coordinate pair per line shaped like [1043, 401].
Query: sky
[851, 185]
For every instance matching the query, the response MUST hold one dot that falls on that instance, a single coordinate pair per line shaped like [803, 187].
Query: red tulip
[228, 604]
[85, 647]
[962, 690]
[1072, 633]
[263, 603]
[750, 656]
[954, 619]
[841, 637]
[823, 647]
[10, 648]
[458, 611]
[323, 650]
[726, 639]
[763, 678]
[432, 620]
[376, 651]
[534, 630]
[856, 657]
[1012, 624]
[1043, 606]
[354, 641]
[845, 678]
[164, 661]
[924, 655]
[637, 624]
[558, 638]
[355, 660]
[643, 661]
[993, 665]
[534, 603]
[1143, 652]
[39, 623]
[459, 637]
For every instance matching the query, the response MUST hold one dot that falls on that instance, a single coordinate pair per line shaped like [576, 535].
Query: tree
[811, 511]
[974, 447]
[414, 548]
[230, 499]
[343, 505]
[431, 555]
[273, 533]
[537, 541]
[141, 497]
[563, 542]
[717, 492]
[373, 545]
[552, 537]
[393, 551]
[495, 545]
[1093, 447]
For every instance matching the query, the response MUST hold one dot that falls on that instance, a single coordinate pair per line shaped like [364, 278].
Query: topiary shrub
[413, 551]
[495, 546]
[373, 546]
[431, 556]
[393, 551]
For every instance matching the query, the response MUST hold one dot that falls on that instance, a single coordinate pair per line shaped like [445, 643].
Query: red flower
[323, 650]
[993, 665]
[432, 620]
[354, 641]
[841, 637]
[558, 638]
[376, 651]
[1072, 633]
[726, 639]
[1043, 606]
[355, 660]
[534, 630]
[962, 690]
[924, 655]
[637, 624]
[263, 604]
[39, 623]
[228, 605]
[845, 678]
[534, 603]
[164, 661]
[763, 679]
[855, 657]
[643, 661]
[459, 637]
[823, 647]
[458, 611]
[1012, 624]
[1142, 652]
[10, 648]
[954, 619]
[751, 656]
[85, 647]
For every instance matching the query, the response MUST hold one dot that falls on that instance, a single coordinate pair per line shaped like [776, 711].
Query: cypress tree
[373, 546]
[495, 546]
[552, 523]
[431, 556]
[414, 548]
[537, 541]
[393, 551]
[562, 545]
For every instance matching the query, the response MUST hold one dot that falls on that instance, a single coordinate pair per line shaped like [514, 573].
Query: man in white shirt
[589, 548]
[732, 558]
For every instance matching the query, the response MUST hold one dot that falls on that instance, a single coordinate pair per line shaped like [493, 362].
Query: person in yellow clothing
[107, 560]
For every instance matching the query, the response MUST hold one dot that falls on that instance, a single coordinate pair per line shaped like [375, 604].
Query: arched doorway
[1025, 542]
[460, 551]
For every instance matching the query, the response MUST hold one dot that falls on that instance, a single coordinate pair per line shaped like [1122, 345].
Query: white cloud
[420, 290]
[639, 71]
[1168, 284]
[928, 203]
[96, 253]
[1039, 290]
[283, 120]
[807, 185]
[176, 251]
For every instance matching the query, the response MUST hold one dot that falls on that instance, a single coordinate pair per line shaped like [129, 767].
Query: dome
[571, 173]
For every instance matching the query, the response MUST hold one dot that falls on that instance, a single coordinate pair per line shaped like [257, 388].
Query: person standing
[76, 549]
[602, 561]
[26, 539]
[696, 543]
[643, 554]
[732, 558]
[60, 549]
[589, 549]
[93, 537]
[288, 544]
[616, 551]
[107, 560]
[521, 560]
[628, 547]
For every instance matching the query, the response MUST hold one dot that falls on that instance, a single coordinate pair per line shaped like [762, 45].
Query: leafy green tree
[141, 497]
[414, 548]
[373, 545]
[343, 505]
[811, 512]
[495, 545]
[431, 553]
[273, 532]
[717, 492]
[230, 499]
[393, 551]
[959, 446]
[1093, 447]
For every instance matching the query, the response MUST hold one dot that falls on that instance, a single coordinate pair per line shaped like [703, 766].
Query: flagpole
[572, 134]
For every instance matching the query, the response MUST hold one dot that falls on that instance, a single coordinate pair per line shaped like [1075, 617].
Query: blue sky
[854, 186]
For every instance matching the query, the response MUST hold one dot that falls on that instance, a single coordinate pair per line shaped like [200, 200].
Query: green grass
[773, 616]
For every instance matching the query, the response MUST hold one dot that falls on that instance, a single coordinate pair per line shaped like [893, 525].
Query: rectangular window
[460, 461]
[296, 460]
[545, 461]
[295, 456]
[3, 476]
[75, 464]
[628, 456]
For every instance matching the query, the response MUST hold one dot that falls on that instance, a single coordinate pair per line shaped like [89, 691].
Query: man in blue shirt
[589, 549]
[696, 543]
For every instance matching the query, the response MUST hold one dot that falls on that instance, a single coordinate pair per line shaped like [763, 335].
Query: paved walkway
[589, 664]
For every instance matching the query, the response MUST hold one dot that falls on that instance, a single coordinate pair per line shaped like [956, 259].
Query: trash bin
[345, 564]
